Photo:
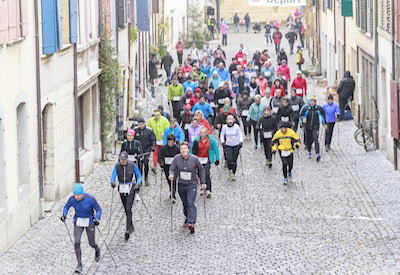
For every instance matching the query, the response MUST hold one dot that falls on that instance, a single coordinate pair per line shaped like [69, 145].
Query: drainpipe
[395, 141]
[376, 73]
[77, 172]
[334, 31]
[344, 44]
[39, 112]
[318, 35]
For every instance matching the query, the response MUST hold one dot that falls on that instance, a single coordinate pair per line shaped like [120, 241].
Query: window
[65, 22]
[51, 26]
[385, 15]
[22, 144]
[329, 4]
[364, 16]
[13, 20]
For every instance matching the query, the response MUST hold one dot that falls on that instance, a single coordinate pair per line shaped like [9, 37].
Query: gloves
[153, 148]
[216, 162]
[96, 222]
[240, 145]
[177, 142]
[297, 146]
[274, 152]
[223, 145]
[63, 218]
[113, 184]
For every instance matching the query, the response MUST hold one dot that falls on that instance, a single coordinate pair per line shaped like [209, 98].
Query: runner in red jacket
[300, 84]
[284, 69]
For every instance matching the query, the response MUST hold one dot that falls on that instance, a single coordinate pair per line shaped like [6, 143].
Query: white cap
[215, 73]
[221, 84]
[299, 72]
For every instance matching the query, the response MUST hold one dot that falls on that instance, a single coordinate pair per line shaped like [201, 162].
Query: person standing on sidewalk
[167, 61]
[236, 21]
[158, 124]
[345, 91]
[129, 179]
[224, 31]
[187, 170]
[165, 157]
[247, 20]
[268, 126]
[299, 57]
[285, 140]
[268, 28]
[179, 51]
[153, 71]
[256, 111]
[147, 139]
[205, 147]
[291, 36]
[332, 111]
[85, 205]
[300, 84]
[232, 140]
[311, 116]
[175, 94]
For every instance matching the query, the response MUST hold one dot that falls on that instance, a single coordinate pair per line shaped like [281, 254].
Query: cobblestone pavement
[337, 216]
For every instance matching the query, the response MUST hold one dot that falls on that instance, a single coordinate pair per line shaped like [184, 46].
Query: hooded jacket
[244, 104]
[282, 56]
[285, 71]
[146, 137]
[256, 111]
[314, 116]
[213, 152]
[263, 58]
[267, 123]
[346, 86]
[177, 132]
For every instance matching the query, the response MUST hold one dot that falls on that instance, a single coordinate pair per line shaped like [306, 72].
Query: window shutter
[397, 19]
[362, 15]
[73, 21]
[370, 16]
[65, 20]
[121, 14]
[24, 17]
[3, 22]
[128, 11]
[12, 20]
[142, 15]
[357, 9]
[389, 16]
[347, 8]
[382, 14]
[59, 24]
[49, 26]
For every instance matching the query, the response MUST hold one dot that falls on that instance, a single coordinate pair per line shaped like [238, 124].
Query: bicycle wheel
[357, 131]
[364, 138]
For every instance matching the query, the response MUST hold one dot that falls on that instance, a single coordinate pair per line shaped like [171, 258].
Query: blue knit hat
[78, 189]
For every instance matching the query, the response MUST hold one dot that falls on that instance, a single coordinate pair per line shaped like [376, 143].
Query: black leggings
[286, 162]
[256, 132]
[312, 137]
[267, 148]
[278, 48]
[144, 164]
[246, 126]
[232, 154]
[90, 232]
[329, 133]
[166, 173]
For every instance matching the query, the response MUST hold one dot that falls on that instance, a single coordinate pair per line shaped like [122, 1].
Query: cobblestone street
[338, 216]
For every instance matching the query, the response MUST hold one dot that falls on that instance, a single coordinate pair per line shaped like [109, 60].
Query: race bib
[284, 118]
[267, 73]
[168, 161]
[187, 126]
[159, 142]
[177, 98]
[299, 91]
[186, 74]
[212, 104]
[231, 139]
[82, 222]
[186, 175]
[132, 158]
[221, 101]
[125, 188]
[187, 100]
[275, 109]
[193, 137]
[240, 59]
[203, 160]
[268, 134]
[245, 112]
[295, 107]
[285, 153]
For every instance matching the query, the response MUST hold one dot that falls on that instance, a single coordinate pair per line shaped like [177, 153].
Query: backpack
[301, 58]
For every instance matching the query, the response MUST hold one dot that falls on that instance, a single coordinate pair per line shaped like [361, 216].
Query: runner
[132, 147]
[187, 169]
[166, 155]
[220, 95]
[84, 205]
[332, 111]
[175, 93]
[175, 130]
[221, 118]
[203, 122]
[240, 83]
[252, 88]
[186, 119]
[129, 179]
[284, 140]
[311, 115]
[268, 126]
[194, 130]
[300, 84]
[276, 102]
[206, 148]
[285, 112]
[296, 102]
[147, 139]
[158, 124]
[256, 111]
[228, 102]
[232, 141]
[186, 97]
[243, 109]
[204, 107]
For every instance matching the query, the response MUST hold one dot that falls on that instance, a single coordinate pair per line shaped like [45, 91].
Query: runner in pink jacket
[284, 69]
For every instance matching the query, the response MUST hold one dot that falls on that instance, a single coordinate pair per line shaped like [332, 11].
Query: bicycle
[364, 135]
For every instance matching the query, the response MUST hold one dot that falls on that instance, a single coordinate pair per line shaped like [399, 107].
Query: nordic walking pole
[160, 185]
[338, 135]
[109, 220]
[171, 197]
[204, 202]
[104, 241]
[147, 210]
[241, 162]
[69, 234]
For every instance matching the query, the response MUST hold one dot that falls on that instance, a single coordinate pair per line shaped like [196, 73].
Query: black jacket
[167, 152]
[126, 173]
[282, 56]
[314, 116]
[291, 36]
[268, 28]
[244, 104]
[232, 68]
[132, 148]
[236, 19]
[267, 123]
[153, 71]
[218, 60]
[285, 112]
[167, 61]
[146, 137]
[346, 86]
[247, 18]
[256, 60]
[221, 119]
[220, 94]
[186, 119]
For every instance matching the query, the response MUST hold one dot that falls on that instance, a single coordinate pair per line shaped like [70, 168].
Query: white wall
[175, 11]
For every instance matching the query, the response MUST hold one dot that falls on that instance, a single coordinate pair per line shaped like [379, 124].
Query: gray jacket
[191, 165]
[297, 101]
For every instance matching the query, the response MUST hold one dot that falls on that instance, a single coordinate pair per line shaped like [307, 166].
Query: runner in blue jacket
[332, 111]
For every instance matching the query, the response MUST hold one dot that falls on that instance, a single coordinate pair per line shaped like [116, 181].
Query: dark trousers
[312, 137]
[269, 37]
[302, 40]
[287, 162]
[90, 232]
[224, 39]
[295, 122]
[299, 65]
[329, 133]
[207, 167]
[246, 126]
[256, 132]
[277, 48]
[212, 32]
[180, 59]
[291, 48]
[232, 154]
[188, 193]
[127, 201]
[168, 73]
[176, 109]
[144, 164]
[171, 184]
[342, 103]
[267, 148]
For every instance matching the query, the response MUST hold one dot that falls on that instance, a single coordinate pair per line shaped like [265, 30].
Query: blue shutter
[121, 14]
[49, 26]
[73, 21]
[59, 25]
[142, 15]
